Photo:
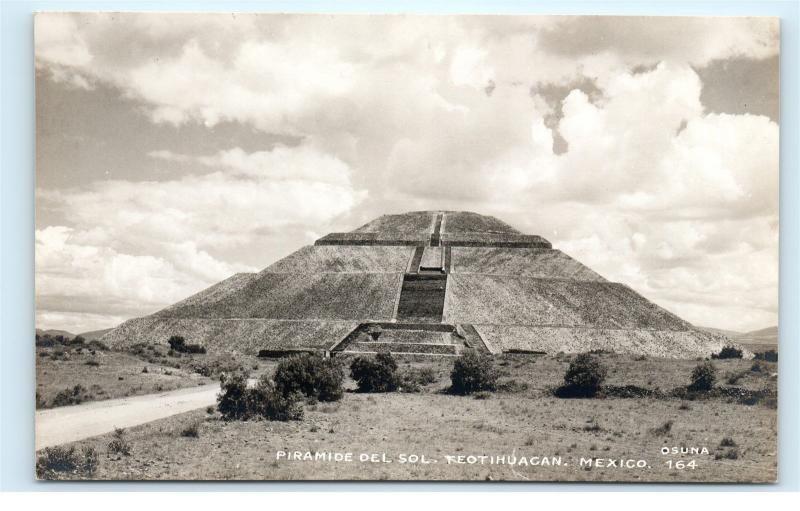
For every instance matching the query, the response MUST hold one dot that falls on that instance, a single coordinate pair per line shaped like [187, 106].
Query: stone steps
[402, 348]
[422, 298]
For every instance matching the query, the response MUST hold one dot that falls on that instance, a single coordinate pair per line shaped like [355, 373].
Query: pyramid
[425, 282]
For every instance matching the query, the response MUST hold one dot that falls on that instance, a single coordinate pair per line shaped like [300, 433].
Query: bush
[423, 375]
[56, 462]
[584, 375]
[703, 377]
[119, 444]
[728, 352]
[663, 429]
[72, 396]
[472, 373]
[378, 374]
[191, 431]
[734, 377]
[217, 365]
[178, 344]
[767, 356]
[92, 363]
[268, 402]
[97, 345]
[232, 401]
[237, 402]
[311, 375]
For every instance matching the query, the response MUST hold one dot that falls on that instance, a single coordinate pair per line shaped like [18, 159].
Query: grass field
[104, 375]
[525, 420]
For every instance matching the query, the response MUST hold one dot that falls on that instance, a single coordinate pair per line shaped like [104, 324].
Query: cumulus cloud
[590, 131]
[144, 245]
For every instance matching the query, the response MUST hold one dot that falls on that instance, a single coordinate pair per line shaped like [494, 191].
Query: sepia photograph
[396, 247]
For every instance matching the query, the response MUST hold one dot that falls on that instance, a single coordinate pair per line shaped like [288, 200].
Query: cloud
[144, 245]
[695, 40]
[590, 131]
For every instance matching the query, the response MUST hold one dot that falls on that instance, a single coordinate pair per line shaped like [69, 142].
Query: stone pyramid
[423, 282]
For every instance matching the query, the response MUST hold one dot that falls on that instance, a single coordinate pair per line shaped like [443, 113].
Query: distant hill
[727, 333]
[767, 335]
[53, 332]
[95, 334]
[88, 336]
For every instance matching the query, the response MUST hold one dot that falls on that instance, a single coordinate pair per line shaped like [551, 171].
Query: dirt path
[70, 423]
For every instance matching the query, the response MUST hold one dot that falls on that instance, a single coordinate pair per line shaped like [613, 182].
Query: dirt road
[70, 423]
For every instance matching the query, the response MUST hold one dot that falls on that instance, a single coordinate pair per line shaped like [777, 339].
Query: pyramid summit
[423, 282]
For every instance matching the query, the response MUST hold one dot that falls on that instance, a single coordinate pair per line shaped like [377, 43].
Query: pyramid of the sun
[431, 282]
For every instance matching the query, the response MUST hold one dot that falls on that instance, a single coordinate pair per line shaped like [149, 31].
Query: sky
[173, 150]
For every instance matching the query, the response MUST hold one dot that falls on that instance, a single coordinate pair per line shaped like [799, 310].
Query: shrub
[733, 378]
[704, 376]
[217, 365]
[758, 367]
[119, 444]
[178, 344]
[378, 374]
[424, 375]
[727, 454]
[728, 352]
[56, 462]
[268, 402]
[93, 363]
[97, 345]
[512, 385]
[44, 341]
[413, 379]
[767, 356]
[727, 442]
[72, 396]
[237, 402]
[473, 372]
[232, 401]
[584, 375]
[311, 375]
[191, 431]
[663, 429]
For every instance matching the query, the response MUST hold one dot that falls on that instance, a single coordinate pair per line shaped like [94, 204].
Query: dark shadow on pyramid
[424, 282]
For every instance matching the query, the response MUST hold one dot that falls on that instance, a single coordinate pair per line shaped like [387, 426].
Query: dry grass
[434, 424]
[116, 375]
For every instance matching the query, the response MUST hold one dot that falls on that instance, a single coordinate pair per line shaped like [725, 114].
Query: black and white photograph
[406, 247]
